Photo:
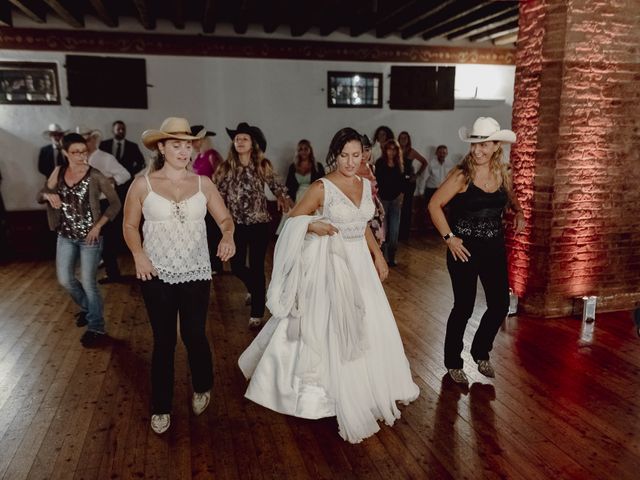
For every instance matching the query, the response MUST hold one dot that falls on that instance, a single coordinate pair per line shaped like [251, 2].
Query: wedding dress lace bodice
[351, 220]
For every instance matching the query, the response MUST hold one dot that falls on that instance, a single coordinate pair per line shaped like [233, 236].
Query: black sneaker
[81, 319]
[91, 339]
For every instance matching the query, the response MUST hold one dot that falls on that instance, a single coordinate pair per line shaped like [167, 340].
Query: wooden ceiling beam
[36, 11]
[328, 28]
[179, 14]
[5, 14]
[299, 28]
[444, 13]
[477, 18]
[495, 32]
[369, 14]
[418, 11]
[104, 13]
[506, 39]
[209, 16]
[69, 12]
[145, 14]
[506, 20]
[468, 28]
[241, 17]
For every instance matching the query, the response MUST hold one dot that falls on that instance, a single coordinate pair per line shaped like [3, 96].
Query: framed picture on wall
[29, 83]
[354, 90]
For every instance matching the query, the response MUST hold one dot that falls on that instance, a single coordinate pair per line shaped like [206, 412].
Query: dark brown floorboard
[562, 406]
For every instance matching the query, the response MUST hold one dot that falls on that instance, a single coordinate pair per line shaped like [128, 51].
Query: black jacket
[132, 158]
[46, 162]
[292, 183]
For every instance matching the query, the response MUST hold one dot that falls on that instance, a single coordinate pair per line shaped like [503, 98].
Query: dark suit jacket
[46, 163]
[132, 158]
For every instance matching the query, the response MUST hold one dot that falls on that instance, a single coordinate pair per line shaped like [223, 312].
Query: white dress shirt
[437, 172]
[109, 166]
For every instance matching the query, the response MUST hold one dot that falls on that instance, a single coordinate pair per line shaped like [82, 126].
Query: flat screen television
[110, 82]
[422, 88]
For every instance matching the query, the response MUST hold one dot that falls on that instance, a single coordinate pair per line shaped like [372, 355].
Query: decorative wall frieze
[211, 46]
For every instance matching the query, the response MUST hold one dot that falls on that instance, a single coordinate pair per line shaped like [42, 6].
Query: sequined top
[477, 214]
[76, 218]
[98, 184]
[244, 196]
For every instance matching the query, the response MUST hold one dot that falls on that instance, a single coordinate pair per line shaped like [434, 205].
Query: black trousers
[112, 240]
[254, 239]
[214, 235]
[406, 213]
[164, 301]
[489, 263]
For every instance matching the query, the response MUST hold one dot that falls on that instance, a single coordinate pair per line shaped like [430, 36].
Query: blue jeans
[392, 210]
[84, 292]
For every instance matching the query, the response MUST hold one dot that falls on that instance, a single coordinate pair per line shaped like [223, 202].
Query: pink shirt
[205, 163]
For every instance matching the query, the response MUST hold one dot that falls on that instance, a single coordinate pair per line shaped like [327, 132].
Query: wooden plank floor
[562, 406]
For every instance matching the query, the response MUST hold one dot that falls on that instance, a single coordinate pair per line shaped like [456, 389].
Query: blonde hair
[496, 166]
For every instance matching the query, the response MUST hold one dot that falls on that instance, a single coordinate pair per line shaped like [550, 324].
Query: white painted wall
[286, 98]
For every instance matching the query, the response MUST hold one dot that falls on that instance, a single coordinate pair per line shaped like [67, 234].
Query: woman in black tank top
[478, 190]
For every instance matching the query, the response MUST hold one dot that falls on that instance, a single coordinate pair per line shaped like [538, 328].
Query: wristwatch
[448, 236]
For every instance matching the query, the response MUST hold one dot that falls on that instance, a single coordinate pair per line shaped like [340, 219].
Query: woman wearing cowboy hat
[478, 190]
[241, 179]
[173, 263]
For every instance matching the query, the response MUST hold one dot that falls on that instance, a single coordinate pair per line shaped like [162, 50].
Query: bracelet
[448, 236]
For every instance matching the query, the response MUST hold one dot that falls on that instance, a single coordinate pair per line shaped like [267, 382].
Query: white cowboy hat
[172, 127]
[486, 129]
[53, 128]
[85, 131]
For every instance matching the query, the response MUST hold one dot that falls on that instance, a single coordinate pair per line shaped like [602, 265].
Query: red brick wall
[577, 164]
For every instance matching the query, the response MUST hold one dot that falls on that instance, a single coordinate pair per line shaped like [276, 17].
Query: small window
[354, 90]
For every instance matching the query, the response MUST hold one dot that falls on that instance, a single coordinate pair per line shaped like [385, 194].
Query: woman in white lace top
[173, 262]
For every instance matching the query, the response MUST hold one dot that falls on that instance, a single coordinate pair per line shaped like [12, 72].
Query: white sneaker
[255, 322]
[160, 423]
[200, 402]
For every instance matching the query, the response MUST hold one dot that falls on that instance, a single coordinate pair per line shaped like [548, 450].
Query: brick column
[576, 165]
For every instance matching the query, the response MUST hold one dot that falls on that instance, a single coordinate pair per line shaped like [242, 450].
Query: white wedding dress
[312, 360]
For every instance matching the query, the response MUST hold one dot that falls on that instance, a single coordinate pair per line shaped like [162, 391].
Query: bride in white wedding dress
[332, 347]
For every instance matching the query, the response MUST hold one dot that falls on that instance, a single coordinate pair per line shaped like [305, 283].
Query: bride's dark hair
[340, 139]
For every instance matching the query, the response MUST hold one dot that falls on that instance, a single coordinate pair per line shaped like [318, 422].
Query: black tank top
[475, 213]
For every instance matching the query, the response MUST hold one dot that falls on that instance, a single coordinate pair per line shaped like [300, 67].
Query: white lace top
[350, 219]
[175, 236]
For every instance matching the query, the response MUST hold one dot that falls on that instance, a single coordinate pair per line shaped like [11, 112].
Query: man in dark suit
[51, 155]
[126, 152]
[129, 156]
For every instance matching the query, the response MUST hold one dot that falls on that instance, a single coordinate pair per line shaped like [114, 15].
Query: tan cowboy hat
[486, 129]
[172, 127]
[53, 128]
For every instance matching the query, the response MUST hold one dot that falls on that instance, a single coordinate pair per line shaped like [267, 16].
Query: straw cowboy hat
[53, 128]
[195, 129]
[254, 132]
[172, 127]
[486, 129]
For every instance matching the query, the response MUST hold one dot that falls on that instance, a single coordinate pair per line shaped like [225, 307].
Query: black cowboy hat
[254, 132]
[195, 129]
